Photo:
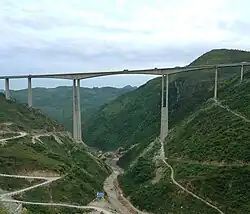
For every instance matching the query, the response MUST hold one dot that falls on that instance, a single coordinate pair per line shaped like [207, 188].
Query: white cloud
[48, 36]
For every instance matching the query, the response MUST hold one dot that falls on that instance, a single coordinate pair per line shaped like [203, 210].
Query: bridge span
[76, 77]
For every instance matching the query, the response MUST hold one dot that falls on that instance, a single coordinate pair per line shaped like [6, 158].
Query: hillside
[135, 117]
[208, 145]
[34, 145]
[209, 152]
[220, 56]
[57, 102]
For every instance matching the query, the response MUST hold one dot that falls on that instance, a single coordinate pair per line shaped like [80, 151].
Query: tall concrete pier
[241, 73]
[215, 83]
[79, 121]
[164, 72]
[164, 107]
[77, 129]
[74, 110]
[7, 89]
[29, 93]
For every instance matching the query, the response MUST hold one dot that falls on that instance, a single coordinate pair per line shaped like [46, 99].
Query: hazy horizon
[2, 90]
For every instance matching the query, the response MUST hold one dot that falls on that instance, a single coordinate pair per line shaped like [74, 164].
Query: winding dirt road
[59, 205]
[21, 134]
[6, 197]
[179, 185]
[116, 202]
[172, 170]
[9, 194]
[231, 111]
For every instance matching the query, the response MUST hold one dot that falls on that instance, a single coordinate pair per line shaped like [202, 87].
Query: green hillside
[46, 149]
[220, 56]
[57, 102]
[208, 146]
[209, 151]
[135, 117]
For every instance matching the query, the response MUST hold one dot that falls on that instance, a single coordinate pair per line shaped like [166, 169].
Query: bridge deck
[154, 71]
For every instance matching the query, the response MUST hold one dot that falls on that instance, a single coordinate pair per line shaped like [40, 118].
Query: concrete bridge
[76, 77]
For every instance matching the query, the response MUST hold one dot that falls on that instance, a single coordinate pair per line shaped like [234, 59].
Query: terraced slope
[43, 148]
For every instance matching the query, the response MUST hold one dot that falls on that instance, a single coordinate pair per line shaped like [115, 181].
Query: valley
[202, 166]
[114, 202]
[57, 102]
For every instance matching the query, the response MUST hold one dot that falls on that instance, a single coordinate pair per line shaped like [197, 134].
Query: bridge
[77, 77]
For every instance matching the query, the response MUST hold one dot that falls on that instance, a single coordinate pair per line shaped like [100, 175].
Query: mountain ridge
[57, 102]
[218, 176]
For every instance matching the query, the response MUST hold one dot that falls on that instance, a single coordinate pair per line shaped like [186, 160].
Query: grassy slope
[160, 197]
[135, 117]
[3, 210]
[85, 174]
[223, 138]
[57, 102]
[209, 134]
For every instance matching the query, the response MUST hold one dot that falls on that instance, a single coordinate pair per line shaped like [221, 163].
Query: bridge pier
[241, 73]
[7, 89]
[29, 93]
[79, 121]
[164, 107]
[215, 83]
[77, 130]
[74, 111]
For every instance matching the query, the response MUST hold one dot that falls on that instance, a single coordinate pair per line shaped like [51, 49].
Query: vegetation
[220, 56]
[84, 173]
[7, 135]
[3, 210]
[57, 102]
[211, 158]
[48, 210]
[11, 184]
[224, 136]
[207, 147]
[135, 117]
[23, 117]
[226, 186]
[160, 197]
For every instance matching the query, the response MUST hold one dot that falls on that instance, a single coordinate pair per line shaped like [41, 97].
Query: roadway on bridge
[147, 71]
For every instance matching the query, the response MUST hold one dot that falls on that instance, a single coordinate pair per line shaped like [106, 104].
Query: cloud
[73, 36]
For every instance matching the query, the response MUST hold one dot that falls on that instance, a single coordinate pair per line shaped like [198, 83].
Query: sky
[67, 36]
